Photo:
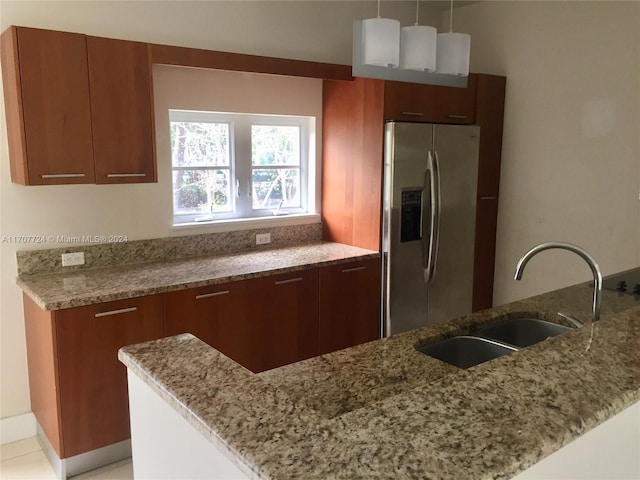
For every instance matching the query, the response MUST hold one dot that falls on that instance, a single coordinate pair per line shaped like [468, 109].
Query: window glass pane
[273, 185]
[199, 144]
[201, 191]
[275, 145]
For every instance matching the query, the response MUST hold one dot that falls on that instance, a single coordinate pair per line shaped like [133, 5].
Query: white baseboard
[17, 428]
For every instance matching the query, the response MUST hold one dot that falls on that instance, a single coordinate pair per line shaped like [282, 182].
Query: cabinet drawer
[284, 318]
[216, 314]
[349, 304]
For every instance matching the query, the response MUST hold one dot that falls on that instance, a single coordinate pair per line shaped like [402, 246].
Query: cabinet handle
[488, 198]
[415, 114]
[291, 280]
[116, 312]
[354, 269]
[118, 175]
[458, 116]
[62, 175]
[213, 294]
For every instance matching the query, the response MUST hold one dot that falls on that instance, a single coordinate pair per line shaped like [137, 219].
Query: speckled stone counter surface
[384, 410]
[55, 291]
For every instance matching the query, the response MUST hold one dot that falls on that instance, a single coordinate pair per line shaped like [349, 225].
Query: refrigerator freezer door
[405, 225]
[450, 291]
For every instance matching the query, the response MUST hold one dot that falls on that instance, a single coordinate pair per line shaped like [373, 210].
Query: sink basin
[523, 332]
[465, 351]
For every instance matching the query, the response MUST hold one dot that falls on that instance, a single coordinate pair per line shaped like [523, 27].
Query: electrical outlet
[263, 238]
[71, 259]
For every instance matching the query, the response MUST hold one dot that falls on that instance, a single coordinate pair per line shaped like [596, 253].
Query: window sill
[250, 223]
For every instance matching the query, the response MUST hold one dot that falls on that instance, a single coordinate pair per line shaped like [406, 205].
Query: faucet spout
[595, 269]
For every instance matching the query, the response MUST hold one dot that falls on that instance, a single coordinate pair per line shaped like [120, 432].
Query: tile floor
[25, 460]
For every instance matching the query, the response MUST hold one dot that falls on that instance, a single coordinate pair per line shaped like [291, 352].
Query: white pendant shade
[381, 42]
[418, 48]
[452, 53]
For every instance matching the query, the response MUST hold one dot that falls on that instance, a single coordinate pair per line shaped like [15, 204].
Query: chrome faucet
[595, 269]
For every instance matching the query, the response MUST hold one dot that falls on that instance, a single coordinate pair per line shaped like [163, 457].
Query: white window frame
[241, 166]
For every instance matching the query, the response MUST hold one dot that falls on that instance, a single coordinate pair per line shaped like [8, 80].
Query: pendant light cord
[451, 18]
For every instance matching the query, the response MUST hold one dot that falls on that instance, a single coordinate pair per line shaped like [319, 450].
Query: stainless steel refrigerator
[429, 216]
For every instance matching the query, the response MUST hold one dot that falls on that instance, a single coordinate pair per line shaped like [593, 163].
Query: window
[235, 165]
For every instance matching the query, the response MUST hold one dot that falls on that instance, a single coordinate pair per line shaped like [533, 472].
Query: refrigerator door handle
[431, 240]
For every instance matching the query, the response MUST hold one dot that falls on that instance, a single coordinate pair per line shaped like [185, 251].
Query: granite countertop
[384, 410]
[55, 291]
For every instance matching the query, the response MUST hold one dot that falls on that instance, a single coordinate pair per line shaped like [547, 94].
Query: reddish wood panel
[490, 117]
[55, 106]
[414, 102]
[284, 318]
[410, 102]
[349, 304]
[13, 106]
[43, 371]
[352, 162]
[93, 383]
[484, 253]
[455, 105]
[193, 57]
[121, 111]
[217, 315]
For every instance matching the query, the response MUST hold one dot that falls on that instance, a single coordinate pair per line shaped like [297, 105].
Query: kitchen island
[384, 410]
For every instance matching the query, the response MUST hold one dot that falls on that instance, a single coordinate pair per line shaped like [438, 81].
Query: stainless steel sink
[465, 351]
[523, 332]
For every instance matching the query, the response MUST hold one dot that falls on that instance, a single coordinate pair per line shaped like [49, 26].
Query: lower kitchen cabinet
[349, 304]
[78, 386]
[284, 318]
[216, 314]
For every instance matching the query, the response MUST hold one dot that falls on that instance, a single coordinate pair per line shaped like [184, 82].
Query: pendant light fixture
[453, 51]
[418, 46]
[381, 41]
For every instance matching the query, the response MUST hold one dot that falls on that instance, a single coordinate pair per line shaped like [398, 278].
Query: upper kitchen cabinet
[121, 111]
[46, 91]
[79, 109]
[413, 102]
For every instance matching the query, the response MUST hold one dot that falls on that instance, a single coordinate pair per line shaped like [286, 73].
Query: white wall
[543, 133]
[571, 150]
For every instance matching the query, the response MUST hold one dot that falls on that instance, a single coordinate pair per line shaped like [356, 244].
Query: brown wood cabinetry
[46, 92]
[349, 304]
[353, 128]
[413, 102]
[490, 117]
[78, 386]
[121, 111]
[284, 318]
[78, 108]
[352, 142]
[217, 315]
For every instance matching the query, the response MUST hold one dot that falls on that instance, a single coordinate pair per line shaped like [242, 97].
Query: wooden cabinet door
[409, 102]
[455, 105]
[216, 314]
[414, 102]
[284, 318]
[349, 304]
[121, 111]
[46, 86]
[94, 407]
